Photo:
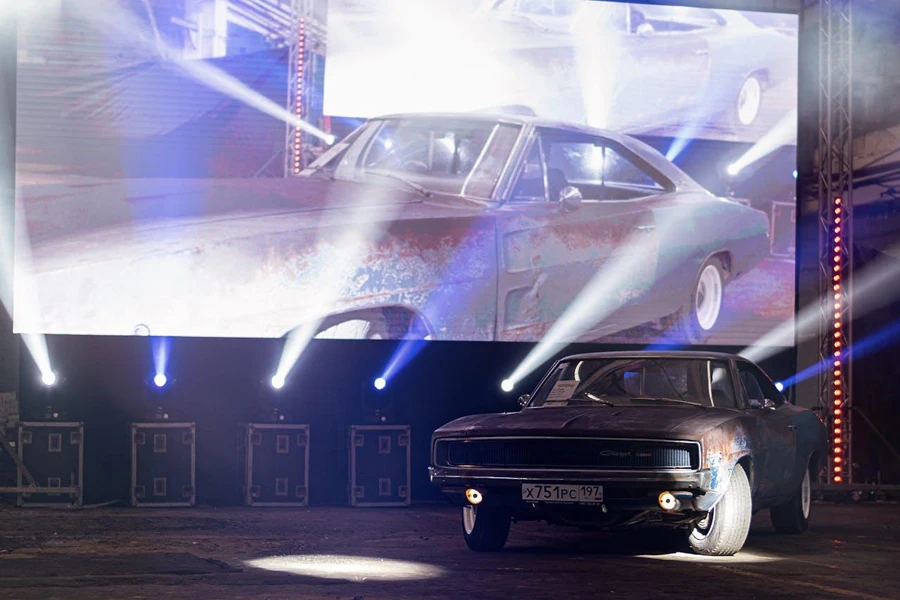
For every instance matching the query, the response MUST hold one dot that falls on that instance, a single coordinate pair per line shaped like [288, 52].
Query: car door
[666, 68]
[589, 259]
[778, 440]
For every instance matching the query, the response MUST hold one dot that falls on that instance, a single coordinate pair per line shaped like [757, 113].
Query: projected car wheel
[696, 321]
[748, 102]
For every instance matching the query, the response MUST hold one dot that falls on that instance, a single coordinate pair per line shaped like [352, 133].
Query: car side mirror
[570, 198]
[765, 405]
[524, 399]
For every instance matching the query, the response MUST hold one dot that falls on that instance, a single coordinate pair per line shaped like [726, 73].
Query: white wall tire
[485, 528]
[748, 102]
[793, 515]
[708, 296]
[724, 530]
[697, 320]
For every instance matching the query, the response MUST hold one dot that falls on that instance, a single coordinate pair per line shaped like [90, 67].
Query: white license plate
[553, 492]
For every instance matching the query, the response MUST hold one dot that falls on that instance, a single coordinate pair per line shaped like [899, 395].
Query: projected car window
[598, 170]
[667, 19]
[626, 381]
[441, 154]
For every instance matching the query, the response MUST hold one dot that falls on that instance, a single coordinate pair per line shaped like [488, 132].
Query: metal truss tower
[835, 220]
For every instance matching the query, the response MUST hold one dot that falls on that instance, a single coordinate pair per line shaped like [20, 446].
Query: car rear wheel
[485, 528]
[793, 515]
[695, 322]
[724, 529]
[748, 103]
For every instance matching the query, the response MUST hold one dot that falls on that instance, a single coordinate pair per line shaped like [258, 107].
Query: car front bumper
[623, 490]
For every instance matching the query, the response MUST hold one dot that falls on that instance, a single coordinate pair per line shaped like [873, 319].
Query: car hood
[66, 210]
[140, 217]
[664, 421]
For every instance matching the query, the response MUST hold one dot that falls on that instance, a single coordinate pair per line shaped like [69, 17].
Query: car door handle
[701, 52]
[792, 427]
[645, 228]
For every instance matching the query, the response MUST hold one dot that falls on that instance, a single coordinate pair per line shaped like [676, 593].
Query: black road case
[53, 453]
[276, 464]
[163, 464]
[379, 465]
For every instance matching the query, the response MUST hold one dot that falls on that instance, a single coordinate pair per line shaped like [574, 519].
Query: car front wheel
[793, 515]
[485, 528]
[724, 529]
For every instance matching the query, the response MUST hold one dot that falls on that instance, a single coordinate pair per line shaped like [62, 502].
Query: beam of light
[160, 347]
[880, 340]
[406, 351]
[160, 380]
[507, 385]
[29, 307]
[453, 295]
[594, 302]
[277, 381]
[598, 57]
[784, 133]
[682, 140]
[347, 568]
[380, 383]
[871, 289]
[350, 251]
[116, 19]
[13, 231]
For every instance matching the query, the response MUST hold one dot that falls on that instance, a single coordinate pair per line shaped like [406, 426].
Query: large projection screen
[487, 170]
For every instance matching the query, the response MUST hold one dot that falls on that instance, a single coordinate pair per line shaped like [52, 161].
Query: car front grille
[567, 453]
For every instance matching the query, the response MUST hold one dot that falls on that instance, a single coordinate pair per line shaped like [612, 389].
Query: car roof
[647, 152]
[688, 354]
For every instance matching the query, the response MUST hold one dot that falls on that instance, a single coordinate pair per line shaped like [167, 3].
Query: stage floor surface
[851, 551]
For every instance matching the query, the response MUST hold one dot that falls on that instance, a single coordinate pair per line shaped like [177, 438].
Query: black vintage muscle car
[692, 440]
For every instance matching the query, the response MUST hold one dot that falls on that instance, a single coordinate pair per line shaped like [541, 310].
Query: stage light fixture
[733, 169]
[380, 383]
[48, 378]
[779, 386]
[507, 385]
[277, 382]
[795, 174]
[160, 380]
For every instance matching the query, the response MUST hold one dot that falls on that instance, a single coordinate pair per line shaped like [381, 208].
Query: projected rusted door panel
[548, 256]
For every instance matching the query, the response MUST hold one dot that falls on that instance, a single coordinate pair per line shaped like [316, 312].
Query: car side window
[757, 386]
[530, 186]
[595, 166]
[721, 386]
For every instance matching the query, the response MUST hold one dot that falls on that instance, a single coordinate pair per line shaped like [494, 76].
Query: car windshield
[628, 381]
[446, 155]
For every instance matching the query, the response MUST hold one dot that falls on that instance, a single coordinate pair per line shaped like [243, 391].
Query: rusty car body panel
[774, 444]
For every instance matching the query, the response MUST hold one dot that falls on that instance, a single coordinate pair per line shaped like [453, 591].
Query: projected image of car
[516, 215]
[719, 87]
[687, 440]
[635, 68]
[459, 227]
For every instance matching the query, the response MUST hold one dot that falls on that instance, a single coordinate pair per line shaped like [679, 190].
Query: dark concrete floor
[851, 551]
